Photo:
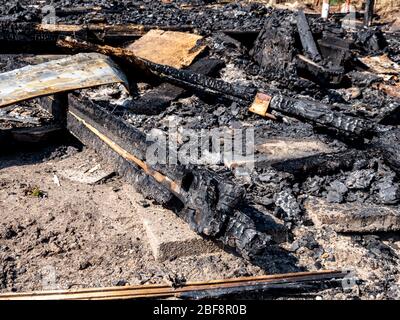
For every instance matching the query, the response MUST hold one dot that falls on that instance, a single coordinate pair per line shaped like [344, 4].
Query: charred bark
[277, 46]
[158, 99]
[306, 37]
[206, 200]
[321, 115]
[388, 143]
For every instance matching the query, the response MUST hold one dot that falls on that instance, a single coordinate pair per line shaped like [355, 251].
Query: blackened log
[33, 37]
[207, 201]
[37, 38]
[212, 191]
[129, 171]
[308, 110]
[158, 99]
[306, 37]
[321, 115]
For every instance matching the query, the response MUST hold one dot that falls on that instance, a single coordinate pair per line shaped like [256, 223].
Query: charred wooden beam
[321, 115]
[158, 99]
[321, 165]
[20, 37]
[306, 37]
[33, 37]
[30, 36]
[204, 199]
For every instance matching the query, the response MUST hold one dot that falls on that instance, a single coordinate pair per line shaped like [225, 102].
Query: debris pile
[149, 86]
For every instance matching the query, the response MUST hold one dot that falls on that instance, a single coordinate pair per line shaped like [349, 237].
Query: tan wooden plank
[175, 49]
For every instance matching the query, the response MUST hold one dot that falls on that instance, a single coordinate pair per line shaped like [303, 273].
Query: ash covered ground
[362, 177]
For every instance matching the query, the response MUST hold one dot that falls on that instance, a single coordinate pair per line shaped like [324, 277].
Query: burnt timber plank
[306, 37]
[157, 100]
[208, 202]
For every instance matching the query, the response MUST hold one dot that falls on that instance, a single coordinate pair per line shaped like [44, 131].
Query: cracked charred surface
[208, 201]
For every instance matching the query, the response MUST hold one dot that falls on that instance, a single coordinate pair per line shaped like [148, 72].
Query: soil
[74, 235]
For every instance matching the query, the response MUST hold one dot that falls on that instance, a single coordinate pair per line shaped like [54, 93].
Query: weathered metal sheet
[80, 71]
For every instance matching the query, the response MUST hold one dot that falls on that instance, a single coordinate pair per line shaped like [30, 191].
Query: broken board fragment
[85, 172]
[279, 150]
[174, 49]
[80, 71]
[353, 217]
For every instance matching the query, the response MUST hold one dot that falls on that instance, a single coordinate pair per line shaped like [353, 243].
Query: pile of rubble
[315, 101]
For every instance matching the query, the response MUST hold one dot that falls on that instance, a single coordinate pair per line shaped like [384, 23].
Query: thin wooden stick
[162, 291]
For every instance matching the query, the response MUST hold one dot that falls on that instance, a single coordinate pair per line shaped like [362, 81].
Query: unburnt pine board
[171, 48]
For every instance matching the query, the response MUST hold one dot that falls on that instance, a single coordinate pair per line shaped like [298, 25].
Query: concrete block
[171, 237]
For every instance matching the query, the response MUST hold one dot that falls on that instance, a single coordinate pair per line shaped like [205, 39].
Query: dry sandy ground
[80, 235]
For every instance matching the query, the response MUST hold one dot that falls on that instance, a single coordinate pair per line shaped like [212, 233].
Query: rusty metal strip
[164, 291]
[80, 71]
